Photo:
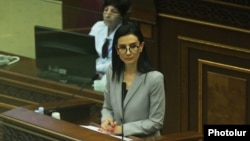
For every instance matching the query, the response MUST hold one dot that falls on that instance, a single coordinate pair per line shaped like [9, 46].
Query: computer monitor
[65, 56]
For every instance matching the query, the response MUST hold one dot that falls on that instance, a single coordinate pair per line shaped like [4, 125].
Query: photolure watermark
[213, 132]
[235, 132]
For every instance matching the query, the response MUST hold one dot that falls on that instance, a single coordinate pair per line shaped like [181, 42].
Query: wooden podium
[25, 125]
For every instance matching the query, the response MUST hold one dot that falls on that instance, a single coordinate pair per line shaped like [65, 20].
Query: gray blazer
[144, 104]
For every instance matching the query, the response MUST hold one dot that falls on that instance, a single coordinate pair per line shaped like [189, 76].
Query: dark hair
[143, 65]
[122, 5]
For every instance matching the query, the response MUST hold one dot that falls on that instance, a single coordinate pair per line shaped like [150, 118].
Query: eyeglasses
[133, 48]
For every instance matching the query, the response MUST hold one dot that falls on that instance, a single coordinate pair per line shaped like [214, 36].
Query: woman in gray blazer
[138, 109]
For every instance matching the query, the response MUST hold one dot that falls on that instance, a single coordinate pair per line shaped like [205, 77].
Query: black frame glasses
[123, 49]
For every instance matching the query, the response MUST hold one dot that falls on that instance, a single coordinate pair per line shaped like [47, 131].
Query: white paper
[94, 128]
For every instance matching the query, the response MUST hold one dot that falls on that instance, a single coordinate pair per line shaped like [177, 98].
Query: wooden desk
[23, 124]
[25, 73]
[26, 66]
[20, 86]
[26, 125]
[76, 111]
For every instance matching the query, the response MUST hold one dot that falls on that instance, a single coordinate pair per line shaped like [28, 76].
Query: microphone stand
[122, 102]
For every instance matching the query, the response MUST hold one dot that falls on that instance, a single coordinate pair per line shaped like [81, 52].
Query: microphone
[122, 102]
[50, 111]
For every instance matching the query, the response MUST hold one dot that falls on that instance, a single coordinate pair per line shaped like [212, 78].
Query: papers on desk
[97, 129]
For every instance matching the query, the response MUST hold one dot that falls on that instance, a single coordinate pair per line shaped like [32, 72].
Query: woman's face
[111, 16]
[129, 49]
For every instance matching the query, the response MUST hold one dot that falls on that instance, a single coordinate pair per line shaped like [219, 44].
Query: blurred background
[18, 17]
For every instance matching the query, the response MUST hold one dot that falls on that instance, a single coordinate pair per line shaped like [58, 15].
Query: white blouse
[100, 31]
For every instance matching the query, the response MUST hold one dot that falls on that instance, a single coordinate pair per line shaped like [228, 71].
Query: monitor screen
[65, 56]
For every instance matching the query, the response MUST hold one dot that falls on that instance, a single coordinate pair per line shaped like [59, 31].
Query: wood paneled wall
[206, 64]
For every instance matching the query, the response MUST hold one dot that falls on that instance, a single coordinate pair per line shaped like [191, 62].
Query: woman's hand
[111, 127]
[108, 125]
[118, 130]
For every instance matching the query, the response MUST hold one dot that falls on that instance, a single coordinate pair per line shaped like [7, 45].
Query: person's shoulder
[109, 70]
[155, 74]
[99, 24]
[97, 28]
[110, 66]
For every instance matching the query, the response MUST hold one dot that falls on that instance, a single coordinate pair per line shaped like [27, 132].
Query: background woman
[114, 11]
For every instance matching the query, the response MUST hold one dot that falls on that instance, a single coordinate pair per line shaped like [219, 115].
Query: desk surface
[32, 124]
[26, 66]
[26, 69]
[37, 126]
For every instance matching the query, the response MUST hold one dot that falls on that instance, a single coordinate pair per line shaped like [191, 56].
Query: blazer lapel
[134, 86]
[118, 95]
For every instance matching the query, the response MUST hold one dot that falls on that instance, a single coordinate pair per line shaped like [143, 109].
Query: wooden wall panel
[226, 100]
[182, 43]
[214, 83]
[80, 15]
